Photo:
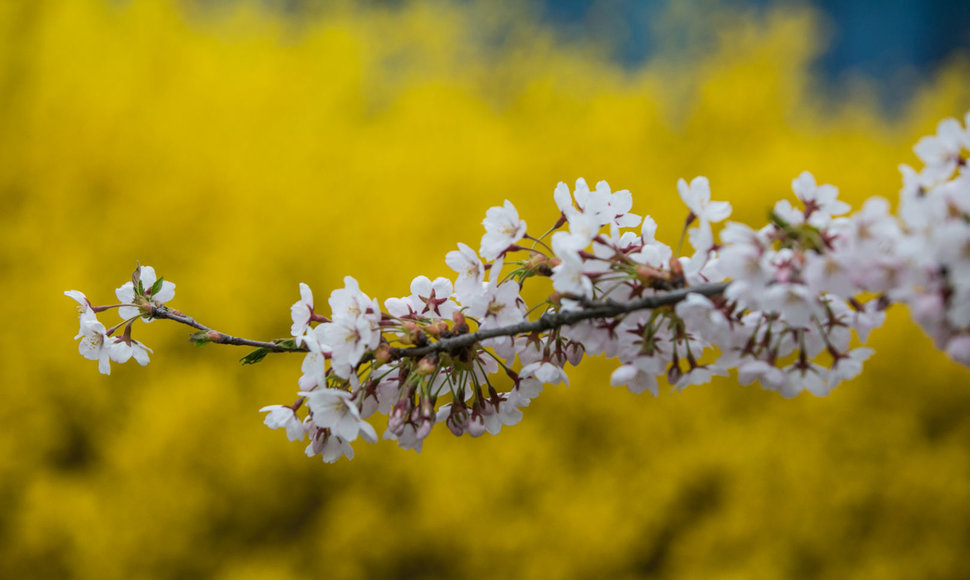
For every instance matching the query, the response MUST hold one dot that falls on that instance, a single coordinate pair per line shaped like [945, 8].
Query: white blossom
[335, 410]
[282, 417]
[502, 229]
[127, 292]
[300, 313]
[470, 269]
[97, 345]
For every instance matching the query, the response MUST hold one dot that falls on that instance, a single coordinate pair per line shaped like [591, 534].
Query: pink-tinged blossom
[654, 254]
[546, 372]
[600, 205]
[830, 272]
[470, 269]
[499, 304]
[635, 379]
[812, 378]
[283, 417]
[525, 390]
[475, 425]
[573, 274]
[502, 229]
[621, 202]
[699, 375]
[335, 410]
[794, 302]
[409, 437]
[300, 313]
[126, 293]
[355, 328]
[958, 314]
[770, 376]
[702, 318]
[349, 302]
[334, 448]
[697, 197]
[492, 416]
[569, 277]
[848, 366]
[788, 213]
[870, 317]
[314, 367]
[562, 197]
[329, 447]
[97, 345]
[820, 201]
[506, 307]
[427, 300]
[126, 351]
[956, 192]
[455, 417]
[489, 418]
[958, 349]
[941, 152]
[84, 304]
[744, 258]
[381, 397]
[593, 204]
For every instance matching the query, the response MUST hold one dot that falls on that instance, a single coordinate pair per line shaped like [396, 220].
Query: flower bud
[555, 299]
[383, 354]
[413, 334]
[674, 373]
[461, 325]
[676, 267]
[399, 416]
[476, 425]
[426, 365]
[649, 275]
[423, 429]
[436, 329]
[457, 421]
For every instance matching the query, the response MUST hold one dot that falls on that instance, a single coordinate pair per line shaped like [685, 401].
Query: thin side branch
[210, 335]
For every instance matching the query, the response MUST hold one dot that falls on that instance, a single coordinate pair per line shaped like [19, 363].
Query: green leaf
[255, 356]
[156, 286]
[199, 338]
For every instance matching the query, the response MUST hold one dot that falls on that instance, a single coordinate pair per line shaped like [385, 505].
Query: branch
[549, 321]
[209, 335]
[546, 322]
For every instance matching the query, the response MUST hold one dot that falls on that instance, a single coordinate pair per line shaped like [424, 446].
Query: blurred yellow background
[240, 152]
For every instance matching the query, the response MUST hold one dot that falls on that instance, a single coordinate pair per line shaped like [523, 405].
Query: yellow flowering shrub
[240, 151]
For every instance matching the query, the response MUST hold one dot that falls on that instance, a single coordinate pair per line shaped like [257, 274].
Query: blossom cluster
[930, 259]
[144, 289]
[785, 305]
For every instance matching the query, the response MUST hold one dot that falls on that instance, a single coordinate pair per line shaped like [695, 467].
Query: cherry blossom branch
[799, 288]
[548, 321]
[553, 320]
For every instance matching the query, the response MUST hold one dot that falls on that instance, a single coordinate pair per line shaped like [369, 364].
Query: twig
[218, 337]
